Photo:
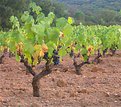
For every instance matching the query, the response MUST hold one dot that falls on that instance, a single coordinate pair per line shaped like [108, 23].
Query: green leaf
[28, 48]
[84, 51]
[17, 57]
[51, 15]
[70, 20]
[51, 46]
[28, 57]
[61, 22]
[53, 35]
[68, 30]
[62, 52]
[38, 29]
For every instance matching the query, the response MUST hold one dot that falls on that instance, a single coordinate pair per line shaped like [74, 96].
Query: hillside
[95, 4]
[89, 12]
[104, 12]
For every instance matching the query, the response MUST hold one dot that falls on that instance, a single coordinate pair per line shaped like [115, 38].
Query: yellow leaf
[41, 54]
[89, 53]
[81, 57]
[37, 47]
[44, 48]
[20, 43]
[61, 34]
[90, 48]
[35, 55]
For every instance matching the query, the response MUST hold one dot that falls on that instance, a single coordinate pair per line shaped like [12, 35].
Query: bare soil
[98, 86]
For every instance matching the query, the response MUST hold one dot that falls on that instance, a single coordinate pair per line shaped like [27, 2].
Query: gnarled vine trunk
[35, 82]
[1, 59]
[36, 87]
[78, 66]
[97, 58]
[36, 79]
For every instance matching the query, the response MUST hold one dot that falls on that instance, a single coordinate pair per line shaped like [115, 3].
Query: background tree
[16, 7]
[9, 8]
[52, 6]
[79, 17]
[104, 12]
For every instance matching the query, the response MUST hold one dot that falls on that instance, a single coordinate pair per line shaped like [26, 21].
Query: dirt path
[99, 86]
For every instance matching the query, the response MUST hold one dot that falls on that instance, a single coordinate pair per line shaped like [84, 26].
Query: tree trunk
[36, 78]
[104, 51]
[113, 51]
[1, 59]
[35, 84]
[78, 66]
[78, 70]
[97, 58]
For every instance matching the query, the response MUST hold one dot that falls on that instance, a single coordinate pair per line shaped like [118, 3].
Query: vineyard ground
[98, 86]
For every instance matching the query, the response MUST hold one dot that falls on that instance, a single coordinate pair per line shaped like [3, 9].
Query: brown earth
[98, 86]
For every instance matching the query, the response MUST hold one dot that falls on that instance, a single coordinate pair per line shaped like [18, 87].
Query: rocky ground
[98, 86]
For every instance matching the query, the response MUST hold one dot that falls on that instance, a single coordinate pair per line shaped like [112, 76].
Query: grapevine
[46, 38]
